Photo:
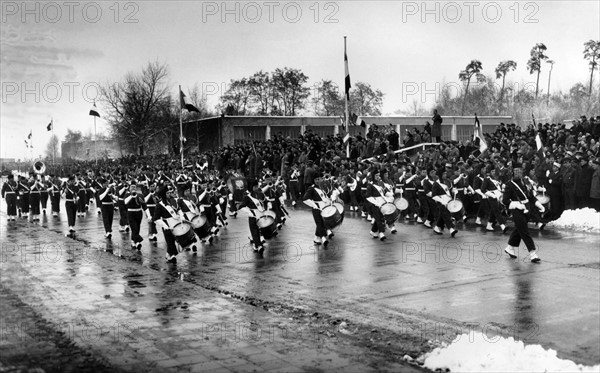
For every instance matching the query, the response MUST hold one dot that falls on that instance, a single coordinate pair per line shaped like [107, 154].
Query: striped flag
[347, 83]
[185, 103]
[347, 137]
[49, 126]
[478, 139]
[94, 111]
[540, 146]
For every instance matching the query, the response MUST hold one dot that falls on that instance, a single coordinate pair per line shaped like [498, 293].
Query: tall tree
[52, 149]
[501, 70]
[139, 107]
[262, 91]
[535, 63]
[592, 53]
[327, 99]
[236, 99]
[472, 69]
[73, 136]
[364, 100]
[292, 92]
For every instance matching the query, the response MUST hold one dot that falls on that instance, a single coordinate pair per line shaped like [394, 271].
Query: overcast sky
[51, 51]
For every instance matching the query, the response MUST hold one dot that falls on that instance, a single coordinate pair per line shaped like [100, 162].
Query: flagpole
[346, 104]
[95, 149]
[180, 130]
[52, 140]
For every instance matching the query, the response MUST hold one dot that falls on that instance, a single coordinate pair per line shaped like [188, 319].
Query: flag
[185, 104]
[353, 119]
[49, 126]
[363, 124]
[540, 146]
[347, 137]
[94, 111]
[30, 134]
[478, 139]
[347, 82]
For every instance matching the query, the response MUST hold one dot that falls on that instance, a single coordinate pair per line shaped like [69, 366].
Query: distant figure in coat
[436, 128]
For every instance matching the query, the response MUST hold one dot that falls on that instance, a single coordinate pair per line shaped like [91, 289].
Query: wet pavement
[357, 305]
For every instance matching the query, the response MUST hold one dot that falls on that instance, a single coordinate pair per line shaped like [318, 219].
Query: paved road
[359, 304]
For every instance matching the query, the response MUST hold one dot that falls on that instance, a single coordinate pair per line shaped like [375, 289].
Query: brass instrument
[39, 167]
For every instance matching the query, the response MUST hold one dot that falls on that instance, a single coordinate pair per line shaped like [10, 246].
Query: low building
[214, 132]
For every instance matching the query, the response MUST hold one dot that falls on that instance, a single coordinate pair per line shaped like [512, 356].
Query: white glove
[540, 206]
[516, 205]
[547, 173]
[454, 190]
[334, 195]
[550, 181]
[269, 206]
[221, 200]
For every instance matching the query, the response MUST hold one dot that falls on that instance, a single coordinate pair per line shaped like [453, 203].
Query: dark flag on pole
[94, 111]
[185, 104]
[348, 85]
[49, 126]
[30, 134]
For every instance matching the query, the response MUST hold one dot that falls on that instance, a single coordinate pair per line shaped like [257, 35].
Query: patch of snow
[581, 220]
[478, 353]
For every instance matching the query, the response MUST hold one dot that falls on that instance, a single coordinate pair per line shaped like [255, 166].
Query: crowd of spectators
[575, 149]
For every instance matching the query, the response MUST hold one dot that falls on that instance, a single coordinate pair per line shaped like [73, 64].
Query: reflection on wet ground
[415, 279]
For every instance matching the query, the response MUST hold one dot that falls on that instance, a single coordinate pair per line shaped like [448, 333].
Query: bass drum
[237, 186]
[184, 234]
[331, 216]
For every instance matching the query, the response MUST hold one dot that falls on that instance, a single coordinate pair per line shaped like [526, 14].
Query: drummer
[461, 189]
[252, 204]
[165, 216]
[440, 193]
[316, 198]
[376, 196]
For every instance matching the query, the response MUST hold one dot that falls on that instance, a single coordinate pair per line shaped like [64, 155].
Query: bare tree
[53, 148]
[292, 92]
[139, 107]
[364, 100]
[592, 53]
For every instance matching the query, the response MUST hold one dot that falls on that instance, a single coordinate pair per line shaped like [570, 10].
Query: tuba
[39, 167]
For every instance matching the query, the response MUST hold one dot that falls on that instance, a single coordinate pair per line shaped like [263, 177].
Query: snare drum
[390, 212]
[545, 201]
[340, 207]
[184, 234]
[331, 216]
[454, 206]
[267, 227]
[401, 203]
[201, 225]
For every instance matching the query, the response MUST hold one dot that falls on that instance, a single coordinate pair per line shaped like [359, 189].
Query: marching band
[190, 206]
